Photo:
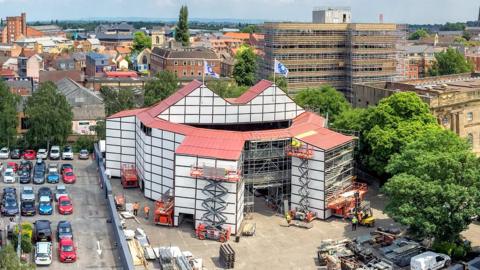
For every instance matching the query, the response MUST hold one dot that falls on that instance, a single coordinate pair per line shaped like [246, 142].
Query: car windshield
[65, 229]
[27, 191]
[28, 204]
[38, 174]
[54, 151]
[69, 173]
[24, 173]
[83, 152]
[8, 173]
[42, 255]
[44, 199]
[67, 248]
[11, 203]
[3, 151]
[65, 203]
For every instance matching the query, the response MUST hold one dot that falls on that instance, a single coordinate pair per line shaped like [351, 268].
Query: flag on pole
[208, 70]
[280, 68]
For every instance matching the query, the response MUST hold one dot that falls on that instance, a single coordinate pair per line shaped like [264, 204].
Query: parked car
[68, 176]
[55, 152]
[4, 153]
[42, 230]
[27, 194]
[25, 164]
[29, 154]
[65, 206]
[9, 202]
[9, 176]
[67, 152]
[42, 153]
[65, 166]
[27, 208]
[45, 191]
[83, 154]
[24, 176]
[38, 177]
[16, 154]
[43, 253]
[45, 206]
[13, 165]
[60, 190]
[64, 230]
[67, 252]
[429, 261]
[52, 176]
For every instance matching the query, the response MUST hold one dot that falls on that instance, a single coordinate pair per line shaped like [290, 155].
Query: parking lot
[89, 219]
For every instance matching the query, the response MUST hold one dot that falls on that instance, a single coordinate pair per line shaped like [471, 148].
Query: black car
[25, 165]
[9, 205]
[38, 177]
[43, 231]
[64, 166]
[27, 208]
[64, 230]
[16, 154]
[45, 191]
[24, 176]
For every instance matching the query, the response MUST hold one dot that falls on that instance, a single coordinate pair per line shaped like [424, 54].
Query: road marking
[99, 250]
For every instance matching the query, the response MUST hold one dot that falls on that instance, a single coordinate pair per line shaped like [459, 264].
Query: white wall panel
[113, 124]
[129, 119]
[128, 126]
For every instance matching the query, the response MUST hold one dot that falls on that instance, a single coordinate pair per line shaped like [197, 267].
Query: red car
[12, 165]
[67, 252]
[29, 155]
[65, 206]
[68, 176]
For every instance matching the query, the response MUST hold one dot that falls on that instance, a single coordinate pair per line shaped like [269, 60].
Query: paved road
[89, 220]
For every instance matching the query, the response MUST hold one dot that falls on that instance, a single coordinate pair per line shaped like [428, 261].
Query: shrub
[457, 250]
[84, 142]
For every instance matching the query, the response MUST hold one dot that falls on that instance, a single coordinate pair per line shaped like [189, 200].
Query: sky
[397, 11]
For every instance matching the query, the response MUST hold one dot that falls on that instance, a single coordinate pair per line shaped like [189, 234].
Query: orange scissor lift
[343, 201]
[163, 214]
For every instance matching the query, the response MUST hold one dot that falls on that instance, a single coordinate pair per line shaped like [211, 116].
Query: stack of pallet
[227, 256]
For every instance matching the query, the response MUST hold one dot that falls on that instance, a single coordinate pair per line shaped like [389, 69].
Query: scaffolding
[266, 166]
[304, 153]
[339, 170]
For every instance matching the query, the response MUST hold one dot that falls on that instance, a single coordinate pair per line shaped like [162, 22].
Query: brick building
[186, 63]
[16, 28]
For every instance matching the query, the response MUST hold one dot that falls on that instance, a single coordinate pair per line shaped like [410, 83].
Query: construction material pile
[227, 256]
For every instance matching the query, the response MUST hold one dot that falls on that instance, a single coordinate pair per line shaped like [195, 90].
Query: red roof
[202, 144]
[126, 113]
[254, 91]
[176, 97]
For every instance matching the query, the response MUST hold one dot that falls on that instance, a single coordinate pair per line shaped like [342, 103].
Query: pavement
[89, 220]
[274, 246]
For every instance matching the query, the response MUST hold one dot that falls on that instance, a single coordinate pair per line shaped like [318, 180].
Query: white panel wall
[316, 193]
[120, 143]
[204, 106]
[189, 194]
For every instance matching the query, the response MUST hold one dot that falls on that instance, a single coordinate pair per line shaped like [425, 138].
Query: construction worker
[289, 218]
[136, 206]
[354, 223]
[146, 210]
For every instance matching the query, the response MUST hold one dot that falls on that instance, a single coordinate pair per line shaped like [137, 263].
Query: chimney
[24, 23]
[380, 18]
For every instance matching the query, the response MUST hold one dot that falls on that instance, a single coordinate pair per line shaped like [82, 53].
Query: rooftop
[191, 53]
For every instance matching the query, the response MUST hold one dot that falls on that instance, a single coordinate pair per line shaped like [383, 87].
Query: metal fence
[122, 247]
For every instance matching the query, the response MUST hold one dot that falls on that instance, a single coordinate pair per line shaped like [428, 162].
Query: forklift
[218, 233]
[363, 212]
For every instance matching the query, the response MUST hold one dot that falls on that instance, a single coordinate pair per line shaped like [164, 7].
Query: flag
[280, 68]
[208, 70]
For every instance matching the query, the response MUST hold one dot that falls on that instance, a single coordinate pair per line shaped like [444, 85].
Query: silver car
[4, 153]
[42, 154]
[27, 194]
[60, 190]
[83, 154]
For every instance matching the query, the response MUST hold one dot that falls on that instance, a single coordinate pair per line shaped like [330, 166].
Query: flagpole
[274, 60]
[203, 72]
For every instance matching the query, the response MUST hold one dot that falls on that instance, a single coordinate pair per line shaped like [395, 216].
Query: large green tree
[9, 260]
[160, 87]
[389, 126]
[280, 81]
[181, 30]
[8, 115]
[435, 189]
[117, 100]
[49, 116]
[141, 41]
[325, 100]
[450, 62]
[418, 34]
[245, 66]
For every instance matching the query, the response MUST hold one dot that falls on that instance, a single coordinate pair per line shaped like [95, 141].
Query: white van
[429, 261]
[43, 253]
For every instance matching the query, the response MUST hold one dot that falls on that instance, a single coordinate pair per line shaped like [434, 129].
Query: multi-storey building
[16, 28]
[97, 64]
[338, 54]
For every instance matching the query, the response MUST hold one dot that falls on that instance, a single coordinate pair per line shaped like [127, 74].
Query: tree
[181, 30]
[351, 120]
[252, 28]
[162, 86]
[466, 35]
[450, 62]
[141, 41]
[453, 26]
[420, 33]
[100, 129]
[325, 100]
[49, 116]
[8, 115]
[9, 260]
[280, 81]
[390, 126]
[245, 66]
[226, 89]
[117, 100]
[435, 189]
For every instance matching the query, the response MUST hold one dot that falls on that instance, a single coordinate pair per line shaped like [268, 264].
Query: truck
[101, 145]
[429, 261]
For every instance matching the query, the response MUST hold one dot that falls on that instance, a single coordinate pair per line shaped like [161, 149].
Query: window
[191, 73]
[157, 39]
[146, 130]
[175, 63]
[184, 73]
[199, 73]
[445, 120]
[184, 63]
[469, 116]
[470, 138]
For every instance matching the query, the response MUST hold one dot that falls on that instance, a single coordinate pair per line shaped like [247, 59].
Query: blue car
[53, 177]
[45, 206]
